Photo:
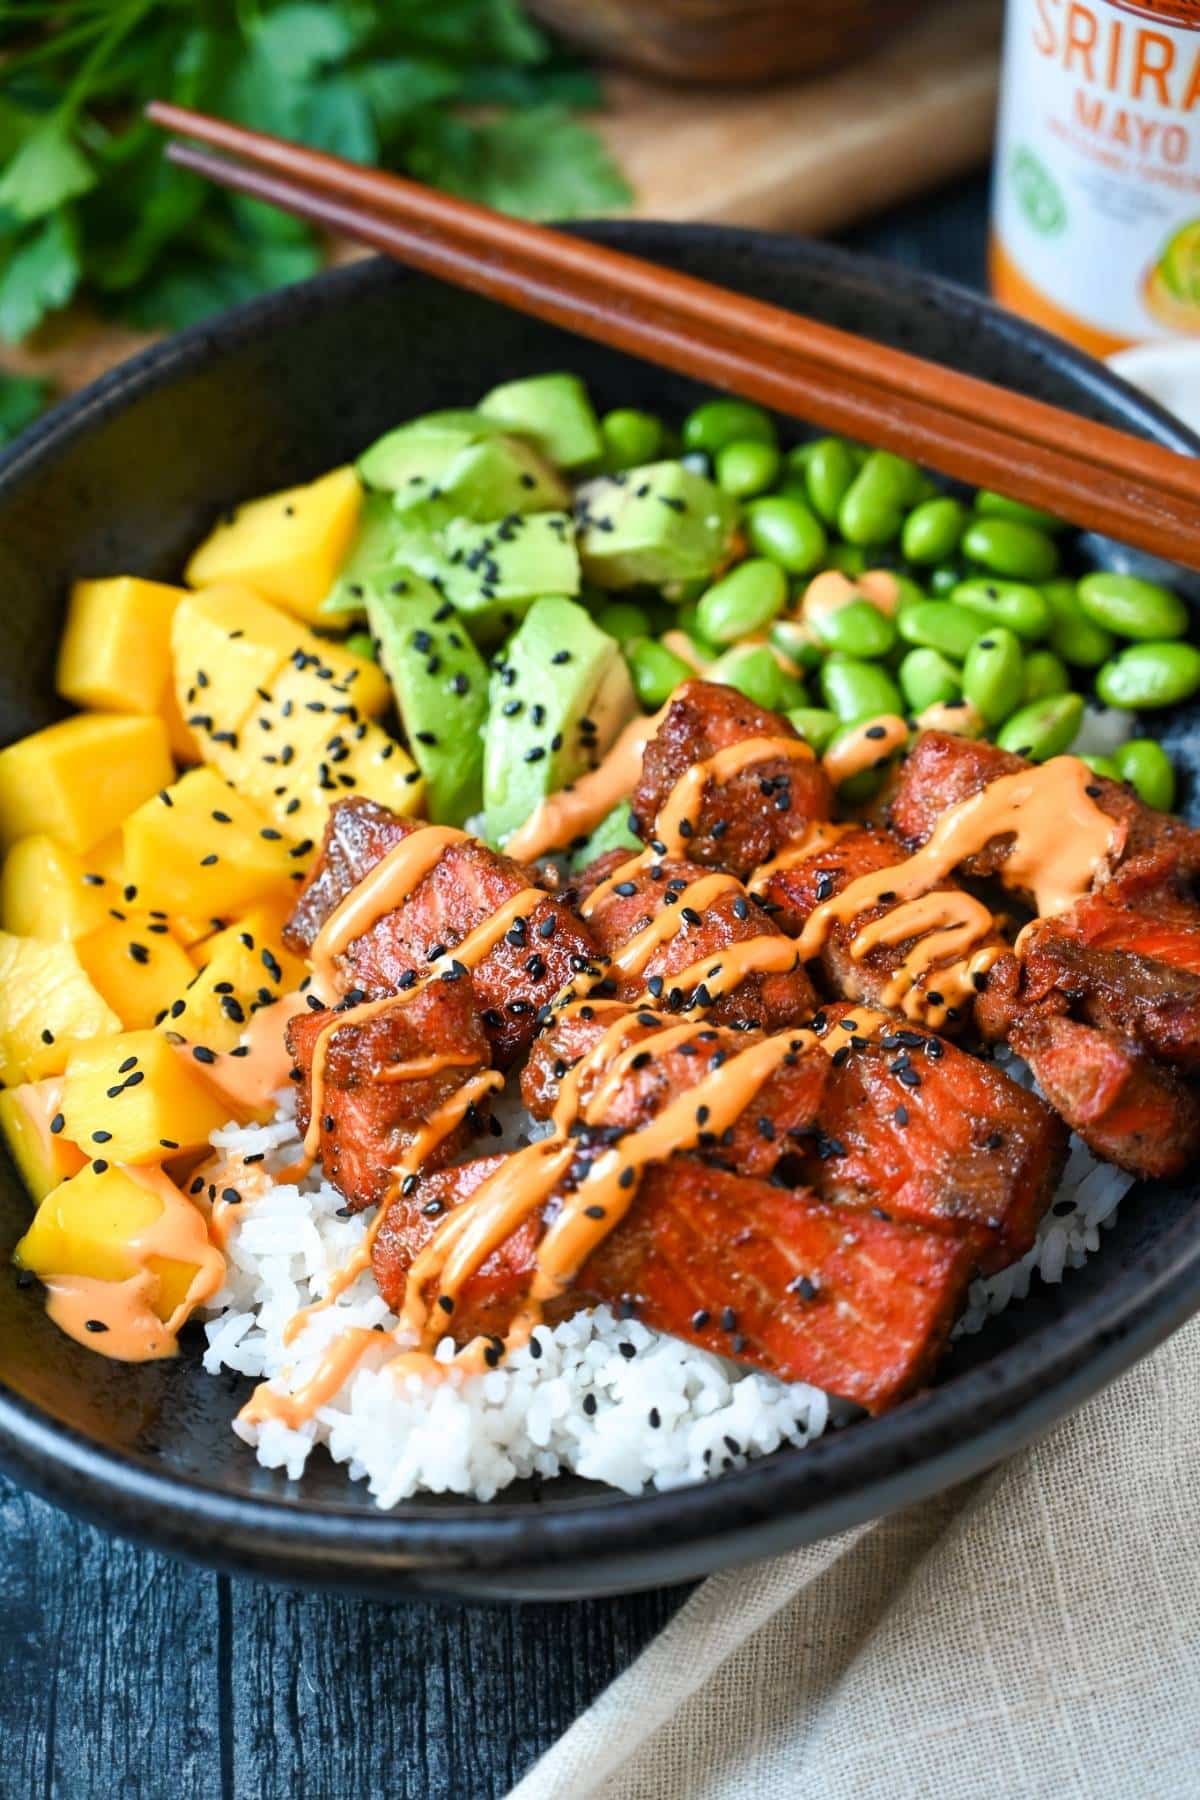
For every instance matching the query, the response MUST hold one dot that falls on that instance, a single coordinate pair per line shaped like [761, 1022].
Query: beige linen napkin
[1035, 1632]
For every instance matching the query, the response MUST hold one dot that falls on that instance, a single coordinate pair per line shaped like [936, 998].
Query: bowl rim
[614, 1542]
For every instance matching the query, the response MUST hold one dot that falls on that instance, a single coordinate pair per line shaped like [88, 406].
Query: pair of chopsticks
[1092, 475]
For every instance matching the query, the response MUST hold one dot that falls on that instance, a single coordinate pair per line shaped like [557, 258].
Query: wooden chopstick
[1090, 474]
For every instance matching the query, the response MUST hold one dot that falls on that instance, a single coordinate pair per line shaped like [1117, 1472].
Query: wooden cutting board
[803, 156]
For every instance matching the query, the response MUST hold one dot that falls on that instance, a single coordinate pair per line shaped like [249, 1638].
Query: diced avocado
[441, 686]
[422, 447]
[554, 412]
[612, 833]
[661, 525]
[484, 481]
[493, 573]
[559, 696]
[377, 545]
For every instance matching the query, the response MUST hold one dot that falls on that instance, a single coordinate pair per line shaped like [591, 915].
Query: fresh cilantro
[468, 94]
[22, 398]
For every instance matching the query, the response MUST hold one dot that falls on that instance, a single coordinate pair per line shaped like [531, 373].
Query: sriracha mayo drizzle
[865, 747]
[128, 1310]
[575, 811]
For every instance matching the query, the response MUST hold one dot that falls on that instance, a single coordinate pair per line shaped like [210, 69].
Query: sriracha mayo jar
[1096, 206]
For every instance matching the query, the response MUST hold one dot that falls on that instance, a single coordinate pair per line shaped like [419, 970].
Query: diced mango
[137, 966]
[115, 650]
[44, 1156]
[305, 747]
[185, 745]
[107, 858]
[230, 647]
[79, 779]
[201, 850]
[246, 967]
[45, 892]
[90, 1226]
[287, 545]
[47, 1007]
[134, 1098]
[264, 922]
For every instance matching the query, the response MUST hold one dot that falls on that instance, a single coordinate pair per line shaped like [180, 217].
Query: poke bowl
[398, 692]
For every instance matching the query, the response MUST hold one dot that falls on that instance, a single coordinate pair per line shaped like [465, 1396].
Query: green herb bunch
[465, 94]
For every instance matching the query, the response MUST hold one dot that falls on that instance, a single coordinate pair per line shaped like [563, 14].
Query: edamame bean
[623, 620]
[1013, 603]
[927, 679]
[994, 674]
[727, 421]
[873, 508]
[1147, 765]
[908, 591]
[361, 643]
[794, 639]
[815, 725]
[1043, 729]
[656, 671]
[939, 625]
[687, 619]
[630, 438]
[1045, 674]
[743, 601]
[850, 559]
[932, 531]
[1102, 765]
[1073, 636]
[945, 578]
[1007, 547]
[1149, 675]
[829, 472]
[786, 531]
[754, 672]
[999, 506]
[1132, 608]
[858, 628]
[747, 467]
[854, 689]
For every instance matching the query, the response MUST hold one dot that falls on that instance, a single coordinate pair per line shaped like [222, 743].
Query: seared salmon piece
[781, 1116]
[655, 899]
[941, 771]
[536, 958]
[371, 1109]
[793, 894]
[768, 1275]
[743, 821]
[1126, 1107]
[921, 1131]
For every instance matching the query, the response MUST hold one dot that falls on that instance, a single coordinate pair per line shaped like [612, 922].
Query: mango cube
[287, 545]
[43, 1156]
[79, 779]
[115, 650]
[245, 967]
[91, 1224]
[308, 745]
[135, 1098]
[45, 891]
[48, 1007]
[136, 964]
[201, 850]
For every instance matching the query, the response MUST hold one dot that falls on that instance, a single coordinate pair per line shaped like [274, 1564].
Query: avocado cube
[485, 481]
[493, 573]
[381, 536]
[553, 412]
[441, 687]
[660, 526]
[560, 694]
[422, 448]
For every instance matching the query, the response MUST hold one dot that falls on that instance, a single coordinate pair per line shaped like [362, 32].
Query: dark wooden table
[123, 1673]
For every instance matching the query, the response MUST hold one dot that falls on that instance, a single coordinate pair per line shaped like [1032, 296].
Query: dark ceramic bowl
[126, 478]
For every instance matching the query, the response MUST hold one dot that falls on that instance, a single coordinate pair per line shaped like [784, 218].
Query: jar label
[1097, 186]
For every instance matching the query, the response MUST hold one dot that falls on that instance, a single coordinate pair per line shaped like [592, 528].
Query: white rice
[596, 1395]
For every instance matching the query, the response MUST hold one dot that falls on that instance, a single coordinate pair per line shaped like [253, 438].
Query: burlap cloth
[1033, 1632]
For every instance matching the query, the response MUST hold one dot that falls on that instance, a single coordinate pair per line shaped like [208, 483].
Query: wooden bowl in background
[727, 40]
